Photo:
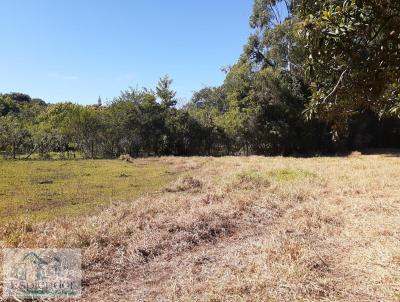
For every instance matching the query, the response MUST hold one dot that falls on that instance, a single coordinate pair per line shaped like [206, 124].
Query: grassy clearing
[256, 179]
[289, 174]
[42, 190]
[243, 229]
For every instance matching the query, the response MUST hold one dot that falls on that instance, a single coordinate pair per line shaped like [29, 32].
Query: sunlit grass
[289, 174]
[251, 178]
[41, 190]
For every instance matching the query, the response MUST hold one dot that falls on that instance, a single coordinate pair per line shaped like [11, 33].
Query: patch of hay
[185, 184]
[249, 180]
[355, 154]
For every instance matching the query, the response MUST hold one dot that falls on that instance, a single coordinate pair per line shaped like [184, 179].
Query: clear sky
[77, 50]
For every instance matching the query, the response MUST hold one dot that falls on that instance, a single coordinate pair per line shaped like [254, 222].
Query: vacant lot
[231, 229]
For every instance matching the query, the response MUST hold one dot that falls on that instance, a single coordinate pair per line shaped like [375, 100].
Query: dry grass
[245, 229]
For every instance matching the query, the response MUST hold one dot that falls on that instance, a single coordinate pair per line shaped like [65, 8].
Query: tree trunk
[14, 151]
[92, 149]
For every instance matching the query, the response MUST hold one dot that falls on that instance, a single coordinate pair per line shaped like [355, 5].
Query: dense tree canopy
[353, 56]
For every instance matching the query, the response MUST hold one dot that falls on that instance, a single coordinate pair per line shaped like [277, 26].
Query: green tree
[265, 90]
[206, 108]
[353, 57]
[274, 42]
[165, 93]
[14, 135]
[53, 130]
[124, 128]
[89, 126]
[152, 124]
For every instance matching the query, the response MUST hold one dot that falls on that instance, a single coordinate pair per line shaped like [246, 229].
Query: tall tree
[165, 93]
[274, 42]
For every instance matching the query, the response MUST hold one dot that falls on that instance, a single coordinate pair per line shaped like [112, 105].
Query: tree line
[314, 77]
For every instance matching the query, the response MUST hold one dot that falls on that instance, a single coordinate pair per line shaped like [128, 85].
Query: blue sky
[77, 50]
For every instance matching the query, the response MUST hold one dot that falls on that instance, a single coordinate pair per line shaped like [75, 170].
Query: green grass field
[42, 190]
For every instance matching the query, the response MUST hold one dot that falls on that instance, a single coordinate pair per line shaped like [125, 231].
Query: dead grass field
[243, 229]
